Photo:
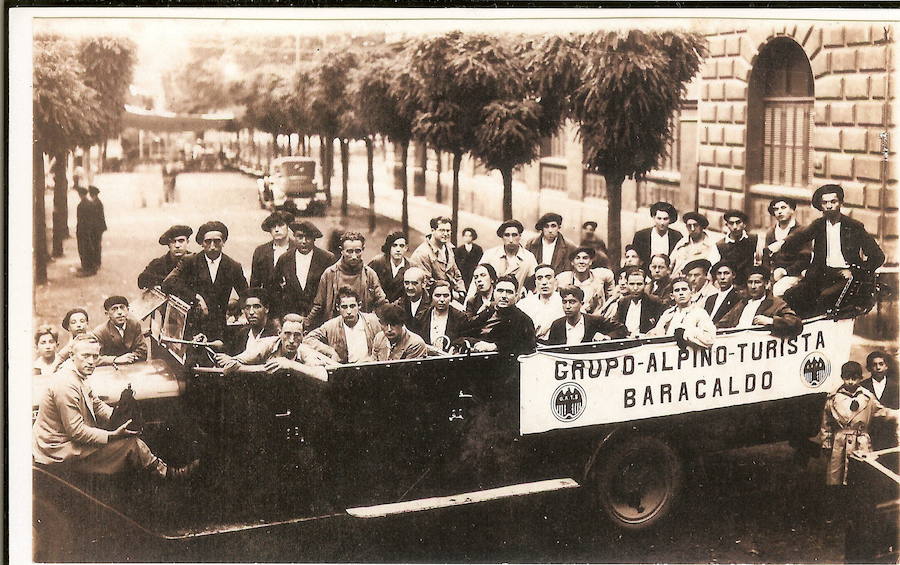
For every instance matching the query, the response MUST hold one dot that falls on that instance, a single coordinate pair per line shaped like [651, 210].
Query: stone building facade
[778, 108]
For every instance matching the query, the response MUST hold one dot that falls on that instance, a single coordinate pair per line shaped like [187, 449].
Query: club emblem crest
[567, 402]
[815, 369]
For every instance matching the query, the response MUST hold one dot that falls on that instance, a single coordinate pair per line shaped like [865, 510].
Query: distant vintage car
[616, 419]
[292, 179]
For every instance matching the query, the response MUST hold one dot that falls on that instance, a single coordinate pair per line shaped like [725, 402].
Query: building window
[553, 162]
[554, 146]
[780, 108]
[671, 161]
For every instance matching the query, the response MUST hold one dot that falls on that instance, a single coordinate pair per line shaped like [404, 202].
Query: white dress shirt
[253, 339]
[878, 386]
[121, 330]
[834, 258]
[574, 334]
[658, 243]
[547, 250]
[303, 262]
[278, 251]
[720, 298]
[357, 345]
[396, 268]
[414, 306]
[781, 233]
[542, 312]
[213, 266]
[749, 312]
[438, 325]
[633, 317]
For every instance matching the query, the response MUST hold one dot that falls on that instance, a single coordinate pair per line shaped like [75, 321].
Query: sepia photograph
[459, 285]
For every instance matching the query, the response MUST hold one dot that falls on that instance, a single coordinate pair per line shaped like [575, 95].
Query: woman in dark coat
[390, 265]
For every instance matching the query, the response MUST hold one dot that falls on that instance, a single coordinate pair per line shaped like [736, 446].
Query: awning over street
[158, 121]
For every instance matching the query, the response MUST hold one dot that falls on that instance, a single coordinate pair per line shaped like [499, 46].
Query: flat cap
[306, 228]
[703, 263]
[173, 232]
[510, 224]
[697, 217]
[664, 207]
[826, 189]
[724, 263]
[547, 218]
[114, 300]
[275, 218]
[214, 225]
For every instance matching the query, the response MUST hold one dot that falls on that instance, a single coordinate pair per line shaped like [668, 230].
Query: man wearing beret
[121, 337]
[550, 247]
[262, 266]
[89, 228]
[659, 238]
[511, 258]
[295, 280]
[697, 273]
[838, 242]
[435, 256]
[760, 308]
[697, 244]
[786, 267]
[206, 280]
[739, 248]
[176, 237]
[720, 303]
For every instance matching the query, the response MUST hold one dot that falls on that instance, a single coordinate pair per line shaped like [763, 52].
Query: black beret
[664, 207]
[697, 217]
[589, 223]
[826, 189]
[173, 232]
[546, 218]
[72, 312]
[93, 190]
[792, 204]
[510, 224]
[583, 249]
[306, 228]
[696, 263]
[275, 218]
[760, 270]
[214, 225]
[724, 263]
[735, 214]
[113, 300]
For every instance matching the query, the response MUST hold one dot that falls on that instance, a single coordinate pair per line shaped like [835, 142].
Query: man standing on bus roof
[550, 247]
[659, 239]
[741, 249]
[786, 267]
[760, 308]
[435, 256]
[176, 237]
[838, 242]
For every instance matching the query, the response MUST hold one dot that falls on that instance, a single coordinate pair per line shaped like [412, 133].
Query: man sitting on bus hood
[761, 308]
[502, 327]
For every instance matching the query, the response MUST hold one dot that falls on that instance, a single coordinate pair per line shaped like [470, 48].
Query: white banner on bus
[570, 390]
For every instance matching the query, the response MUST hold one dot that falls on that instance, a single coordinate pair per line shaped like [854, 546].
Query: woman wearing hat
[597, 284]
[390, 265]
[76, 323]
[262, 266]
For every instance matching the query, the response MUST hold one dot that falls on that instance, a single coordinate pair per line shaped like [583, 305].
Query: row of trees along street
[78, 98]
[490, 96]
[493, 97]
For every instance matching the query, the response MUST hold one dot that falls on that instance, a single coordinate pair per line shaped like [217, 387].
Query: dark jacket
[560, 260]
[740, 253]
[392, 285]
[262, 266]
[592, 325]
[237, 336]
[661, 289]
[112, 344]
[90, 217]
[857, 245]
[794, 263]
[157, 270]
[468, 260]
[510, 329]
[456, 321]
[413, 322]
[882, 430]
[891, 396]
[285, 291]
[731, 299]
[651, 309]
[191, 277]
[641, 242]
[786, 322]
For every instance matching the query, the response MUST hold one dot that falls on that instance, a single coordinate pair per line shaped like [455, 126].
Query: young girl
[46, 341]
[846, 420]
[76, 323]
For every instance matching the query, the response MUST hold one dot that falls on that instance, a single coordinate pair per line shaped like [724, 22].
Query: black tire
[637, 481]
[52, 534]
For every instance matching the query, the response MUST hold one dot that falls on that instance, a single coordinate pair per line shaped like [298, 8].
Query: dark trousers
[89, 250]
[815, 294]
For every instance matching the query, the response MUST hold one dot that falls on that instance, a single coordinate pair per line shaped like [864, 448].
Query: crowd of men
[305, 309]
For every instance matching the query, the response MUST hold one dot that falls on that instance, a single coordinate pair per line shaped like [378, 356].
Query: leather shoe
[182, 473]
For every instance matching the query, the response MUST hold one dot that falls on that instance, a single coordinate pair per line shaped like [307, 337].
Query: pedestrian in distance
[468, 254]
[91, 223]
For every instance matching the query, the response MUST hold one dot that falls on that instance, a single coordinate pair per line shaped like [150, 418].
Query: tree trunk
[345, 171]
[39, 235]
[454, 194]
[331, 156]
[60, 202]
[326, 169]
[322, 159]
[370, 178]
[438, 189]
[614, 217]
[404, 186]
[101, 161]
[507, 193]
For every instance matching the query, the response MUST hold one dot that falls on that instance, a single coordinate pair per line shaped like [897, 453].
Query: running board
[461, 499]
